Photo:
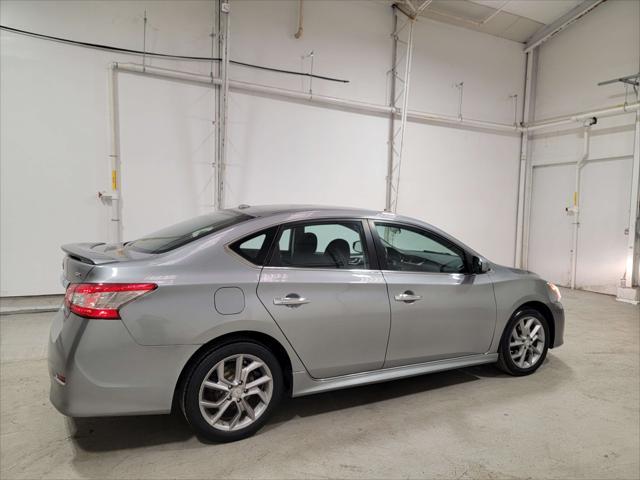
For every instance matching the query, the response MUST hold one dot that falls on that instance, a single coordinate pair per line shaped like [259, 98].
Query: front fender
[513, 291]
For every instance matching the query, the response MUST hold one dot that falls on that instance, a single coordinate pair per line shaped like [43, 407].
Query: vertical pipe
[524, 140]
[144, 41]
[460, 87]
[311, 77]
[633, 243]
[213, 74]
[114, 156]
[576, 205]
[298, 34]
[222, 129]
[524, 183]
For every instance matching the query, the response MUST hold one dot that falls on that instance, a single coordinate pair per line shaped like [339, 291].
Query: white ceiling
[543, 11]
[515, 20]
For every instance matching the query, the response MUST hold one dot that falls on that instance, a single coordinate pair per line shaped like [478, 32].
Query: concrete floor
[577, 417]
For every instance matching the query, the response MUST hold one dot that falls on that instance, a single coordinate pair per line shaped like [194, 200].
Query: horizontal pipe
[605, 112]
[588, 160]
[166, 73]
[449, 119]
[238, 85]
[414, 115]
[253, 87]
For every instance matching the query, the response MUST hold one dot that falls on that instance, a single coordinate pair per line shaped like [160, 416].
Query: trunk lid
[81, 258]
[88, 253]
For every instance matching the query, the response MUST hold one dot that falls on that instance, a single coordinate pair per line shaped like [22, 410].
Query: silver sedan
[224, 314]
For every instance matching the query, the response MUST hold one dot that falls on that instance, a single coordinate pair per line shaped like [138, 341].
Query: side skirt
[303, 384]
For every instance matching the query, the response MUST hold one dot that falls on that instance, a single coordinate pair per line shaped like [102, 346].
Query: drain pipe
[575, 209]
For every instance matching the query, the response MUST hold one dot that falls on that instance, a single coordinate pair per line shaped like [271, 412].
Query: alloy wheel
[235, 392]
[527, 342]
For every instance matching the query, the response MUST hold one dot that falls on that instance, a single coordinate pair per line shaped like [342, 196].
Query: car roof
[263, 211]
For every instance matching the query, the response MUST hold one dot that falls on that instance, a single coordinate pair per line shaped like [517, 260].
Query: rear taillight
[103, 300]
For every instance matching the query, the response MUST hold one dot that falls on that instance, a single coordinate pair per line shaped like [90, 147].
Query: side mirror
[357, 246]
[480, 265]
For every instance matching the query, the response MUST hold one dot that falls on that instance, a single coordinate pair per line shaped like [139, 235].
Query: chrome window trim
[426, 273]
[322, 269]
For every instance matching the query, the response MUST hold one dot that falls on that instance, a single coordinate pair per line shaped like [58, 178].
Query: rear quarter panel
[182, 310]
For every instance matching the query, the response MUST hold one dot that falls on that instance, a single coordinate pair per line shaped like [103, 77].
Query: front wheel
[524, 343]
[232, 391]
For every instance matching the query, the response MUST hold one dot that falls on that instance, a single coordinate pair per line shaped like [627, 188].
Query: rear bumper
[106, 372]
[558, 319]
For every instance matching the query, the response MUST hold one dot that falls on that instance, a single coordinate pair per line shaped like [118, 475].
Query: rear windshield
[184, 232]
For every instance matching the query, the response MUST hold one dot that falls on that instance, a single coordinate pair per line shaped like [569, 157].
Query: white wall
[464, 181]
[54, 125]
[54, 122]
[444, 171]
[603, 45]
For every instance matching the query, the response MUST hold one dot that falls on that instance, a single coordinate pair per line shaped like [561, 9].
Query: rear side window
[255, 247]
[184, 232]
[321, 245]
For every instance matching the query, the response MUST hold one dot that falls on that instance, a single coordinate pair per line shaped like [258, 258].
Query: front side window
[412, 250]
[321, 245]
[184, 232]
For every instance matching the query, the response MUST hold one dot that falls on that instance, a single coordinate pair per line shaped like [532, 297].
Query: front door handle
[291, 300]
[407, 297]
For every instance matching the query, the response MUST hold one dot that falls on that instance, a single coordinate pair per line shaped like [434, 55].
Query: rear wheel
[524, 343]
[232, 391]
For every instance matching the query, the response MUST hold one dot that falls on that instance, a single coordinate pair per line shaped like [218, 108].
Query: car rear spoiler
[85, 253]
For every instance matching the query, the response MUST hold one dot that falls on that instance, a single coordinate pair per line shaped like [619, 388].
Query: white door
[604, 216]
[550, 232]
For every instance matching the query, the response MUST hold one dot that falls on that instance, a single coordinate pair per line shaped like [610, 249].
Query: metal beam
[400, 78]
[629, 79]
[546, 32]
[409, 9]
[392, 115]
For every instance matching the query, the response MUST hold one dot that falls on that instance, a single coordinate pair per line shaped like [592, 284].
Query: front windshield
[184, 232]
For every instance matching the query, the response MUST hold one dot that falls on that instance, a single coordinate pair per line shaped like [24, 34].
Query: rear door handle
[291, 300]
[407, 297]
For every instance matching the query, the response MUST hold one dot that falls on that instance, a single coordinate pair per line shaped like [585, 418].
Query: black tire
[191, 391]
[505, 362]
